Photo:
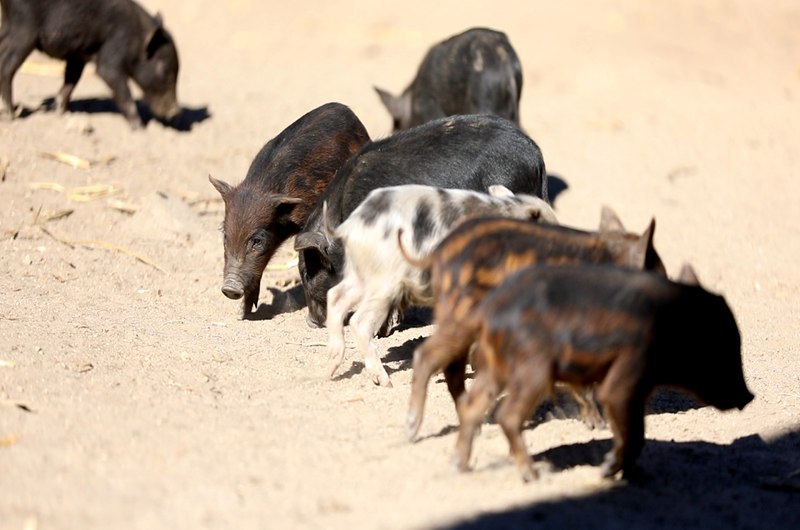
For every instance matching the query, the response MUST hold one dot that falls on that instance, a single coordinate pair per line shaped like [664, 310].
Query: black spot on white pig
[378, 279]
[465, 152]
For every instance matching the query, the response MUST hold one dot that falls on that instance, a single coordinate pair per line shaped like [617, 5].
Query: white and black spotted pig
[378, 280]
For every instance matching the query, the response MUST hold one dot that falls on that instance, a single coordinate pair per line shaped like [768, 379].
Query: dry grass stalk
[91, 243]
[4, 163]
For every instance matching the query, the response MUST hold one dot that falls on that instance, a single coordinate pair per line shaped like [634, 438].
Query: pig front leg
[623, 402]
[366, 322]
[341, 299]
[113, 74]
[72, 74]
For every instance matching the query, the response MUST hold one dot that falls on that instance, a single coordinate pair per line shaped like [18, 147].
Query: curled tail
[422, 263]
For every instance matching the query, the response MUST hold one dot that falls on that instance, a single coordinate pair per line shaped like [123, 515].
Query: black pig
[474, 72]
[118, 35]
[626, 331]
[279, 192]
[467, 152]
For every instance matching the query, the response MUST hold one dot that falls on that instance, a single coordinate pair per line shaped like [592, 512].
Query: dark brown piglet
[626, 331]
[478, 255]
[280, 190]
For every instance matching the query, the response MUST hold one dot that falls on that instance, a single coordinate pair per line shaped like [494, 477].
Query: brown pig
[478, 255]
[279, 192]
[626, 331]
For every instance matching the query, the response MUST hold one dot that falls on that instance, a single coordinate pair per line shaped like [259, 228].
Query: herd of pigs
[451, 212]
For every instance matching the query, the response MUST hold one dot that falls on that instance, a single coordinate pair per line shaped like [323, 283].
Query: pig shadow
[751, 483]
[183, 122]
[402, 354]
[562, 406]
[283, 301]
[555, 187]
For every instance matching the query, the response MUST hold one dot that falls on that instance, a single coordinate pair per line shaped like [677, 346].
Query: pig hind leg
[341, 299]
[446, 348]
[367, 320]
[72, 75]
[476, 402]
[14, 49]
[528, 385]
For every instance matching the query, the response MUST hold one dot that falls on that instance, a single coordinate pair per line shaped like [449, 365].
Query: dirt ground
[133, 396]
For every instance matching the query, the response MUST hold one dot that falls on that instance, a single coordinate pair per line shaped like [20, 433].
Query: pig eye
[258, 241]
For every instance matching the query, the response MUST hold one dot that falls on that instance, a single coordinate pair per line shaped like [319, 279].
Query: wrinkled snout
[232, 288]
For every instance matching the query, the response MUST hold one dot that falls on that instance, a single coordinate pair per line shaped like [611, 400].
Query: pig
[478, 255]
[467, 152]
[474, 72]
[280, 191]
[377, 279]
[627, 331]
[121, 38]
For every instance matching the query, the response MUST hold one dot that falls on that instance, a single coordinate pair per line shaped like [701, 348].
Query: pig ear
[310, 240]
[638, 253]
[223, 188]
[498, 190]
[157, 39]
[688, 275]
[398, 107]
[314, 245]
[158, 19]
[609, 221]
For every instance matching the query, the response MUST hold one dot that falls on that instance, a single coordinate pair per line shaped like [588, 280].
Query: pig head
[156, 70]
[252, 232]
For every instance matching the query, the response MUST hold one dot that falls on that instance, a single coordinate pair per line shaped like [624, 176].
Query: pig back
[466, 152]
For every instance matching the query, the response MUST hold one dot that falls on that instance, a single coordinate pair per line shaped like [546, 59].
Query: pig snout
[164, 105]
[746, 398]
[233, 288]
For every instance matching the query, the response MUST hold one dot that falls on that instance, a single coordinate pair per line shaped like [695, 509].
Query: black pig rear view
[118, 35]
[279, 192]
[464, 152]
[474, 72]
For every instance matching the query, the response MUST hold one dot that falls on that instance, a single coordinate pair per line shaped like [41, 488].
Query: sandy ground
[133, 396]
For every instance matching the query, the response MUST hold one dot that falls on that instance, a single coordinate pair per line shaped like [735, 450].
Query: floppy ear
[609, 221]
[498, 190]
[314, 248]
[223, 188]
[310, 240]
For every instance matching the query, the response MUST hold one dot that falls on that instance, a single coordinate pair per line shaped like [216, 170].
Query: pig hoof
[610, 466]
[412, 426]
[529, 475]
[382, 380]
[460, 465]
[332, 369]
